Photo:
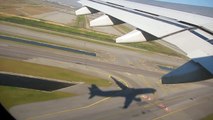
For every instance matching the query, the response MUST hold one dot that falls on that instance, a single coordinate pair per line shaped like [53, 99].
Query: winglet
[189, 72]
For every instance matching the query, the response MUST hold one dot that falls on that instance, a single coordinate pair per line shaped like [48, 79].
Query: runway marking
[163, 106]
[146, 97]
[168, 100]
[69, 110]
[178, 110]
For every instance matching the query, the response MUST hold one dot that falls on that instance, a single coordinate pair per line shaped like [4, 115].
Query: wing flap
[190, 43]
[195, 46]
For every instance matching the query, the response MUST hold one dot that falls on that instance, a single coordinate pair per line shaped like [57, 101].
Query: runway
[135, 69]
[30, 42]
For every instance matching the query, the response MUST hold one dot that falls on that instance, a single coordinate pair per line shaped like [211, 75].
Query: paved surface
[30, 42]
[57, 16]
[134, 69]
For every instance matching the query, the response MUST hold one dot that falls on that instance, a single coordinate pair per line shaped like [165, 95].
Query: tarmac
[133, 68]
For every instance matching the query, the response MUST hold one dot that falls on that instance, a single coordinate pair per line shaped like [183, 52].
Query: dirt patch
[35, 10]
[25, 7]
[57, 16]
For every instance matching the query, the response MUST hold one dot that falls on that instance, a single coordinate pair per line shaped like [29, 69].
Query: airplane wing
[191, 33]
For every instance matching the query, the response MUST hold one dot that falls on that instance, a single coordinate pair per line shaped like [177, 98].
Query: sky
[205, 3]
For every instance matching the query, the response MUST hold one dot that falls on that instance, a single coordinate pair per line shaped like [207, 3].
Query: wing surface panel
[195, 19]
[190, 44]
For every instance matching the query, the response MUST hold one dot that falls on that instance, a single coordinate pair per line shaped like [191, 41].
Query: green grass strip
[80, 22]
[63, 29]
[154, 47]
[11, 96]
[9, 65]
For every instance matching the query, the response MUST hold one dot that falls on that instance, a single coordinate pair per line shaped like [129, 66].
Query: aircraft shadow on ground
[129, 94]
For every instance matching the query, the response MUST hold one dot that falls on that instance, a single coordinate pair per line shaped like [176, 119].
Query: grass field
[11, 96]
[86, 34]
[9, 65]
[154, 47]
[80, 22]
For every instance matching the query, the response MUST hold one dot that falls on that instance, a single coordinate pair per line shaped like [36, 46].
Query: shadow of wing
[121, 85]
[128, 100]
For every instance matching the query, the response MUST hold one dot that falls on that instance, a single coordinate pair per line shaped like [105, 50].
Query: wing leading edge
[192, 33]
